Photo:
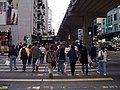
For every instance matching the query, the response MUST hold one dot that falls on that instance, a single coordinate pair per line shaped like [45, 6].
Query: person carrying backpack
[24, 54]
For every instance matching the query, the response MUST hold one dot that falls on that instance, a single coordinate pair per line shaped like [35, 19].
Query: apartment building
[31, 19]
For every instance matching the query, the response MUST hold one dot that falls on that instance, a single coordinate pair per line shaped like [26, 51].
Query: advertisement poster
[8, 12]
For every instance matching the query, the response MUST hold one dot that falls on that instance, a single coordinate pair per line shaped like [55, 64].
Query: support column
[87, 22]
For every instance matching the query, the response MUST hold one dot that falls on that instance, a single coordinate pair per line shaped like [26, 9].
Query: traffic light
[96, 30]
[90, 31]
[26, 38]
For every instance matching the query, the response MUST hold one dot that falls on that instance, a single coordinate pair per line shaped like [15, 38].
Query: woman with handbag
[51, 60]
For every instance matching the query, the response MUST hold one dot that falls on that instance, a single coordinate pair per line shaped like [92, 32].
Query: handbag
[7, 62]
[100, 56]
[37, 62]
[89, 59]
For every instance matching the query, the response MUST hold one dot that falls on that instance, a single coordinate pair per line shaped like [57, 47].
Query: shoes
[98, 72]
[16, 69]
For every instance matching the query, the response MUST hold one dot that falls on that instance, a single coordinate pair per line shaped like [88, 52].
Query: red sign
[3, 37]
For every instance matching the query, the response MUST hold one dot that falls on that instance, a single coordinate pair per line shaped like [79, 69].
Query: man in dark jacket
[35, 53]
[12, 54]
[92, 53]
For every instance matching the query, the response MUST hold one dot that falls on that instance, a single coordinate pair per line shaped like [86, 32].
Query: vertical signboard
[8, 12]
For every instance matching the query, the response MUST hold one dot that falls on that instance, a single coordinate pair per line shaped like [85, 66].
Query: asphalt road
[18, 80]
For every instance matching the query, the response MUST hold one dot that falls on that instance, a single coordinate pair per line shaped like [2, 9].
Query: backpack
[101, 56]
[23, 53]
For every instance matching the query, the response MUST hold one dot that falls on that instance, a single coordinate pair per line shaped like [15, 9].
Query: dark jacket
[12, 52]
[92, 52]
[84, 56]
[72, 54]
[61, 54]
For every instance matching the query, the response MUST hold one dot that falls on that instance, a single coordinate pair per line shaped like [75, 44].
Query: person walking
[50, 57]
[24, 54]
[102, 62]
[12, 54]
[92, 52]
[61, 59]
[35, 54]
[84, 59]
[72, 54]
[43, 51]
[29, 58]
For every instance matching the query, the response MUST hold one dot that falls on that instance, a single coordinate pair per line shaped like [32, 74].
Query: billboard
[8, 12]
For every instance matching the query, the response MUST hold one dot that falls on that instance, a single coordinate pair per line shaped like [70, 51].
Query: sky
[58, 8]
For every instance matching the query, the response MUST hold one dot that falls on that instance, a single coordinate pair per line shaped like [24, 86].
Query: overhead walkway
[80, 15]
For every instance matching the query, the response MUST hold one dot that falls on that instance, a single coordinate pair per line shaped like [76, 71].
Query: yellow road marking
[77, 80]
[3, 87]
[56, 80]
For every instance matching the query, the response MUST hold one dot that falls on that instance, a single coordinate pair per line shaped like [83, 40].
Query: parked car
[110, 46]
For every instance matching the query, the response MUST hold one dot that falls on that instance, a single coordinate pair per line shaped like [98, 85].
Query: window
[115, 17]
[115, 27]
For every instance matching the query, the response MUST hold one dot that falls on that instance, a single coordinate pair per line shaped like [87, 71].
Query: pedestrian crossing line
[20, 66]
[40, 70]
[59, 74]
[56, 80]
[77, 80]
[4, 87]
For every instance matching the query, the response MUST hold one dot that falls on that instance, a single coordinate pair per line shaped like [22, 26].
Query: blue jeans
[24, 61]
[100, 65]
[61, 66]
[12, 58]
[95, 60]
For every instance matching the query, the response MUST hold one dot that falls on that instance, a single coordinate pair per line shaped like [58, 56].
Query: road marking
[59, 74]
[55, 70]
[77, 80]
[3, 87]
[56, 80]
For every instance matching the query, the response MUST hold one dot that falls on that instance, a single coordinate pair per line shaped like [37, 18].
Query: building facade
[30, 20]
[110, 26]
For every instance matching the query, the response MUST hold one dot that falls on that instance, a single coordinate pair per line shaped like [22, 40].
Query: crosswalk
[42, 75]
[43, 71]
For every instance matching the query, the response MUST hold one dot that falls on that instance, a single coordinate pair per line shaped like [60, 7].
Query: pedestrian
[92, 52]
[24, 54]
[102, 62]
[61, 59]
[30, 57]
[12, 54]
[67, 49]
[43, 51]
[72, 54]
[50, 57]
[84, 59]
[35, 53]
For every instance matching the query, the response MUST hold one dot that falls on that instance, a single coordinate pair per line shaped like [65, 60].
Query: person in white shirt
[43, 52]
[102, 63]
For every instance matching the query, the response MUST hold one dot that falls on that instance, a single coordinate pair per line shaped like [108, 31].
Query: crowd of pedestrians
[59, 53]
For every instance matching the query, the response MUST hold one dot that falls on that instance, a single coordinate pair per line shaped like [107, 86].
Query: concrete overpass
[80, 14]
